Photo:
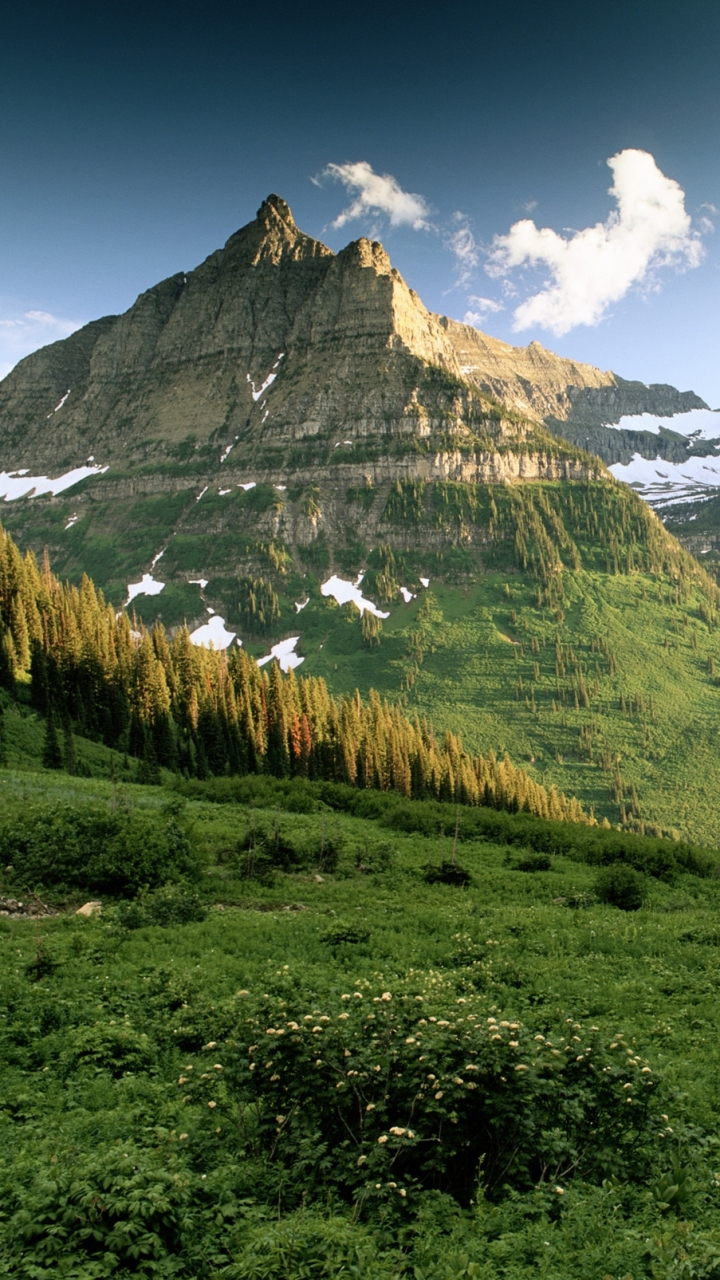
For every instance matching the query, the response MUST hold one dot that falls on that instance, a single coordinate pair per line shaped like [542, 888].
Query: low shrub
[88, 847]
[621, 886]
[171, 904]
[382, 1093]
[534, 862]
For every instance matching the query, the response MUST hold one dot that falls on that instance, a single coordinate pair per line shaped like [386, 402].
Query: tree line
[202, 712]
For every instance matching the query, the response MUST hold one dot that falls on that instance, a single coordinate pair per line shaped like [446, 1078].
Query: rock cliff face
[275, 341]
[318, 379]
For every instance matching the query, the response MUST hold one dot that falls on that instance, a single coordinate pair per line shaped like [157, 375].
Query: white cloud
[482, 307]
[597, 266]
[461, 243]
[24, 333]
[377, 193]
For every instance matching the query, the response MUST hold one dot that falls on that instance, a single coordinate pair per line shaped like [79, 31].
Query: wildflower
[318, 1062]
[513, 1044]
[457, 1080]
[386, 996]
[471, 1084]
[646, 1071]
[251, 1067]
[217, 1066]
[346, 997]
[211, 1044]
[182, 1079]
[317, 1029]
[362, 1159]
[281, 1119]
[357, 995]
[370, 1106]
[382, 1139]
[438, 1095]
[496, 1037]
[212, 1104]
[397, 1131]
[243, 993]
[410, 1040]
[560, 1191]
[273, 1078]
[521, 1067]
[540, 1037]
[402, 1192]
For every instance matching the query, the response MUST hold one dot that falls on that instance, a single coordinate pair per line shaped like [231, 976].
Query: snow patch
[664, 484]
[407, 595]
[61, 403]
[285, 654]
[202, 495]
[198, 582]
[73, 520]
[222, 492]
[146, 587]
[159, 556]
[18, 484]
[299, 606]
[213, 633]
[344, 592]
[704, 421]
[425, 582]
[250, 485]
[280, 486]
[225, 452]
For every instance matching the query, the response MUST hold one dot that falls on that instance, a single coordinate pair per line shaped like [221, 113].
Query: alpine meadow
[359, 773]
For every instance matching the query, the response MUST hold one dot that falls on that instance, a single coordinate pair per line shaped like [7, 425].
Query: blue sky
[134, 141]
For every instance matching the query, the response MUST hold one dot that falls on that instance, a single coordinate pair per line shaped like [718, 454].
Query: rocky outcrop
[276, 342]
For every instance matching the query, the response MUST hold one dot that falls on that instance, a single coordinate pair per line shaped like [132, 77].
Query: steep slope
[285, 414]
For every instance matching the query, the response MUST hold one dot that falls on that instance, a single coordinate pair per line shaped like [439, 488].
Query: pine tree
[52, 756]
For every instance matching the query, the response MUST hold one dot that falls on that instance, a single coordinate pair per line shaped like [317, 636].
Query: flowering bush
[380, 1091]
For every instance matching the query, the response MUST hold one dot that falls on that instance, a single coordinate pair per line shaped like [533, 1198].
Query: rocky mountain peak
[275, 209]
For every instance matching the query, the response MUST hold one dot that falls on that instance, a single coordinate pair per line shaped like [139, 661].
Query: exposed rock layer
[275, 341]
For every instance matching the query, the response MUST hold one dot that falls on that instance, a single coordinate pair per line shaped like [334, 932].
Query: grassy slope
[468, 682]
[650, 975]
[468, 679]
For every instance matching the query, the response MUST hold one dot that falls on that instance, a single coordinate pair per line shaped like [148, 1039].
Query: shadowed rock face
[275, 340]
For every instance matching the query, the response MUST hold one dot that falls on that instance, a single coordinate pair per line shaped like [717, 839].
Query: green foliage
[68, 847]
[171, 904]
[137, 1141]
[415, 1088]
[259, 605]
[621, 886]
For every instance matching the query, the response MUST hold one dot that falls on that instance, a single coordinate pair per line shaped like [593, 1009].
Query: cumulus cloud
[480, 309]
[595, 267]
[24, 333]
[377, 193]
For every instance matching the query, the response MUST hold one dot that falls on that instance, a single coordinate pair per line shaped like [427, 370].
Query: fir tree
[52, 756]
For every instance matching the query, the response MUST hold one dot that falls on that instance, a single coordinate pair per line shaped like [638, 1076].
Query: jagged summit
[273, 341]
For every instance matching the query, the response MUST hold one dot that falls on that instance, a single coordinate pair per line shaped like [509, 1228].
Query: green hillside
[563, 624]
[305, 1058]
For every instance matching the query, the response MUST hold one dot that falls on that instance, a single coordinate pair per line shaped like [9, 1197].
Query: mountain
[250, 438]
